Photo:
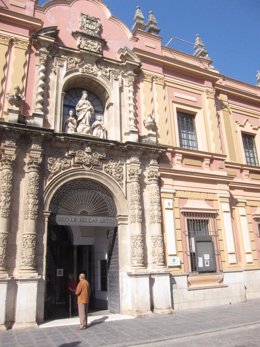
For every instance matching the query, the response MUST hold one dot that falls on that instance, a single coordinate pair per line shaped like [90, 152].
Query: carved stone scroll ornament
[89, 45]
[6, 179]
[155, 205]
[135, 208]
[6, 184]
[157, 250]
[154, 192]
[88, 160]
[115, 170]
[33, 187]
[32, 197]
[3, 247]
[89, 35]
[90, 25]
[28, 253]
[6, 190]
[137, 249]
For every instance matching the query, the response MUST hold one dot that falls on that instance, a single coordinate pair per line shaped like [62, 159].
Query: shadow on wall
[10, 303]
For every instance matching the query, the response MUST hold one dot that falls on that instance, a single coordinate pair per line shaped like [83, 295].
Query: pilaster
[228, 229]
[227, 127]
[5, 43]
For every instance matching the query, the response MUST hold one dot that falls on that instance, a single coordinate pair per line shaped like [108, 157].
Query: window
[187, 132]
[250, 150]
[202, 238]
[258, 226]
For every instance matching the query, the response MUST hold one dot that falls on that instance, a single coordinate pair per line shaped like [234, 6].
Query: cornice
[203, 176]
[176, 64]
[20, 19]
[242, 94]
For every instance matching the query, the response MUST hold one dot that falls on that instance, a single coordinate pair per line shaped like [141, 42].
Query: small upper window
[250, 149]
[187, 131]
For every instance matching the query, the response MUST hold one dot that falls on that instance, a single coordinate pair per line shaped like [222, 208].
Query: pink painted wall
[67, 18]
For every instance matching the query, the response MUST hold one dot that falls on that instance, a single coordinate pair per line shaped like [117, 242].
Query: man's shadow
[99, 320]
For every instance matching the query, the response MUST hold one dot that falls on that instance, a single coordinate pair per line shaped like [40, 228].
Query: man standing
[83, 293]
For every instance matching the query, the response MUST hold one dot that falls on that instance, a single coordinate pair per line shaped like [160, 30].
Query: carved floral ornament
[137, 249]
[28, 253]
[3, 247]
[92, 68]
[88, 160]
[157, 250]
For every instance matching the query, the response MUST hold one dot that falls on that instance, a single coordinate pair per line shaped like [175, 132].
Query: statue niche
[83, 114]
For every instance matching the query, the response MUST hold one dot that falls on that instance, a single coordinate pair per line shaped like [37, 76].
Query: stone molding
[88, 160]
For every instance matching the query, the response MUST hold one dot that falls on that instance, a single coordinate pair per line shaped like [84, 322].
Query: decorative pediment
[50, 32]
[126, 55]
[247, 125]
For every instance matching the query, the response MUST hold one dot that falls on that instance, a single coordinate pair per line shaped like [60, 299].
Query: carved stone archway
[77, 198]
[83, 197]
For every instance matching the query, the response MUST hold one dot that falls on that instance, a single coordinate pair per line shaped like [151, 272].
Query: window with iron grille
[187, 131]
[202, 238]
[250, 149]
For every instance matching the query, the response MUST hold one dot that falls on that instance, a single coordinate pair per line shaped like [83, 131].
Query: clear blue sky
[230, 29]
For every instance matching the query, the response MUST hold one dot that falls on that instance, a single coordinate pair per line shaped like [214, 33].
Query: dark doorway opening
[66, 260]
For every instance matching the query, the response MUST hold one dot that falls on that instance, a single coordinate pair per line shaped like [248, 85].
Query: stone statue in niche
[99, 130]
[85, 122]
[84, 111]
[71, 123]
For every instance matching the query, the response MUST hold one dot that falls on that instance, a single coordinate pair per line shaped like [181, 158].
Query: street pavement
[234, 325]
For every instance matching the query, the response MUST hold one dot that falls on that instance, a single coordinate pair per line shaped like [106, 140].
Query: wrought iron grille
[201, 232]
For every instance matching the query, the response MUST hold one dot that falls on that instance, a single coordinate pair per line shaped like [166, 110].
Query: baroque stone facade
[99, 172]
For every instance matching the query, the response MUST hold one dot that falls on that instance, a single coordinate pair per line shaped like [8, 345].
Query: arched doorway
[82, 237]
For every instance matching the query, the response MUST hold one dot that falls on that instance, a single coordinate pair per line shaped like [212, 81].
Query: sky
[230, 29]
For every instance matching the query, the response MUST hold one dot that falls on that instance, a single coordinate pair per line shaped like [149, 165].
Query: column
[4, 58]
[6, 183]
[34, 159]
[157, 252]
[159, 278]
[28, 282]
[132, 128]
[40, 88]
[115, 131]
[135, 213]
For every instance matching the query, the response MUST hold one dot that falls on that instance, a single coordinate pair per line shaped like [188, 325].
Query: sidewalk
[237, 323]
